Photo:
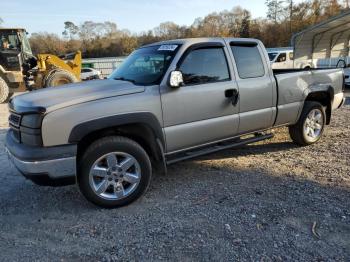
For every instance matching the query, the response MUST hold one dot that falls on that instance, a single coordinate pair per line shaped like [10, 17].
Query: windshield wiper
[125, 79]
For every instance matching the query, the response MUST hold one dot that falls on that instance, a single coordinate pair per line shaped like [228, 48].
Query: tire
[111, 182]
[60, 77]
[5, 94]
[309, 129]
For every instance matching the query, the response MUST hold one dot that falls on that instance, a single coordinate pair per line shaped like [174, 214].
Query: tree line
[283, 19]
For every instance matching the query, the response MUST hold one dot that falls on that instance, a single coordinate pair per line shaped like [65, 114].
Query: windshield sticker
[167, 47]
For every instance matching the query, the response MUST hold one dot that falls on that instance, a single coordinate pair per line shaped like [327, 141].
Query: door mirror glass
[176, 79]
[291, 56]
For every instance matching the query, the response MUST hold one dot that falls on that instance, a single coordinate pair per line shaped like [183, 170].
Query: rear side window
[205, 65]
[248, 61]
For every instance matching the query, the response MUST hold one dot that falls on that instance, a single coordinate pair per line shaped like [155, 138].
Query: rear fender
[323, 94]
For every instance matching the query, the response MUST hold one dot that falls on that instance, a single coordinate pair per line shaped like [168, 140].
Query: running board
[214, 148]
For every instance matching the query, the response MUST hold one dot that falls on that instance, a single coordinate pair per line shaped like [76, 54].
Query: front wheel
[5, 93]
[60, 77]
[309, 129]
[114, 171]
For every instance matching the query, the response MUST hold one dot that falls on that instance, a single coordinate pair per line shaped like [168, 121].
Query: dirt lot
[257, 203]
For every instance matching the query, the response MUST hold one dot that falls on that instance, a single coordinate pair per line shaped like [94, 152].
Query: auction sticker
[167, 47]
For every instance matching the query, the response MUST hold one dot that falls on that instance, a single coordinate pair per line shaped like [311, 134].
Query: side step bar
[215, 148]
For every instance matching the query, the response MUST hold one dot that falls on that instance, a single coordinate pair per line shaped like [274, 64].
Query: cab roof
[13, 29]
[201, 40]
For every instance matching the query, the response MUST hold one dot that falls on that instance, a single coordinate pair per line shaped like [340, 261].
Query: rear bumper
[53, 166]
[338, 101]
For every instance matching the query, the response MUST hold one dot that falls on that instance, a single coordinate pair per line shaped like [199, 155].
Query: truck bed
[293, 86]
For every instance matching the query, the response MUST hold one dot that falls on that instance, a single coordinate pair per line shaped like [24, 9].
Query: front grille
[15, 123]
[15, 120]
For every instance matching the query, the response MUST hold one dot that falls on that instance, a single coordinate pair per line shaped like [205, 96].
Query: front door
[281, 61]
[199, 112]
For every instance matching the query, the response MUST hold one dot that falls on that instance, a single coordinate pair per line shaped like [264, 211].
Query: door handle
[232, 94]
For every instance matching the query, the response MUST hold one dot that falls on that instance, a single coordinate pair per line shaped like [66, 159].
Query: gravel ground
[256, 203]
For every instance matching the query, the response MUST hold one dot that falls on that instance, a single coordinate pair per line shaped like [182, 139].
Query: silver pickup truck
[169, 101]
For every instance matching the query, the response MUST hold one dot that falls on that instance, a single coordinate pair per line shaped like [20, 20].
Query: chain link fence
[105, 64]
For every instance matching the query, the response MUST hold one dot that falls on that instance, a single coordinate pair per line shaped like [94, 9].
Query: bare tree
[290, 6]
[98, 39]
[70, 30]
[168, 30]
[274, 9]
[47, 43]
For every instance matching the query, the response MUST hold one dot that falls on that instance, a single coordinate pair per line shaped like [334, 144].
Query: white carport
[324, 44]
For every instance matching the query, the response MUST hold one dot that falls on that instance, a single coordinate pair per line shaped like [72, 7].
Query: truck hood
[50, 99]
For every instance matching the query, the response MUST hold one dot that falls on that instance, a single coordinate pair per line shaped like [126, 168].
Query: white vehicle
[89, 74]
[281, 58]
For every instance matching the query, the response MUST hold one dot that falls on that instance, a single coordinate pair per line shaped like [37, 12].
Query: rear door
[256, 85]
[199, 112]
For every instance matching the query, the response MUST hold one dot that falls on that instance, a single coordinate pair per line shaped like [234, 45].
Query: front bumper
[51, 166]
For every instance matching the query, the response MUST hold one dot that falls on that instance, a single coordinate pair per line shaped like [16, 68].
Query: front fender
[145, 118]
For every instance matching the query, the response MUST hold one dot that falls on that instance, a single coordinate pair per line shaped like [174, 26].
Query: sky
[135, 15]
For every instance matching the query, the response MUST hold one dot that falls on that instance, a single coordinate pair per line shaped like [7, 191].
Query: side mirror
[341, 64]
[176, 79]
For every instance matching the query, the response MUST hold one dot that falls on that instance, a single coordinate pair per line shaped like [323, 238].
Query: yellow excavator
[20, 70]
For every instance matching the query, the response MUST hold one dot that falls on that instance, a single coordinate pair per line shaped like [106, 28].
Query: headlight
[32, 121]
[30, 129]
[31, 137]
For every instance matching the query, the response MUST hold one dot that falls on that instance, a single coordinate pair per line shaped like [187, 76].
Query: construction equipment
[20, 70]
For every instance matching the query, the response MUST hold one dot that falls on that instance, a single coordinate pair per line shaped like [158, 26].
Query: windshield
[9, 41]
[146, 66]
[25, 43]
[272, 56]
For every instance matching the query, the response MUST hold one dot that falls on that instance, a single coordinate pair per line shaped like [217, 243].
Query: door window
[249, 61]
[272, 56]
[282, 58]
[205, 65]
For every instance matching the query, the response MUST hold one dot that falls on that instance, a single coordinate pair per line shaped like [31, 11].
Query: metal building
[324, 44]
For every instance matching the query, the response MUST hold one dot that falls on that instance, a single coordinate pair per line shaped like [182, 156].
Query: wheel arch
[324, 95]
[144, 128]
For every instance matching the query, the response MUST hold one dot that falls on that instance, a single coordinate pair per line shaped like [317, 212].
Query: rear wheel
[114, 171]
[5, 93]
[60, 77]
[309, 129]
